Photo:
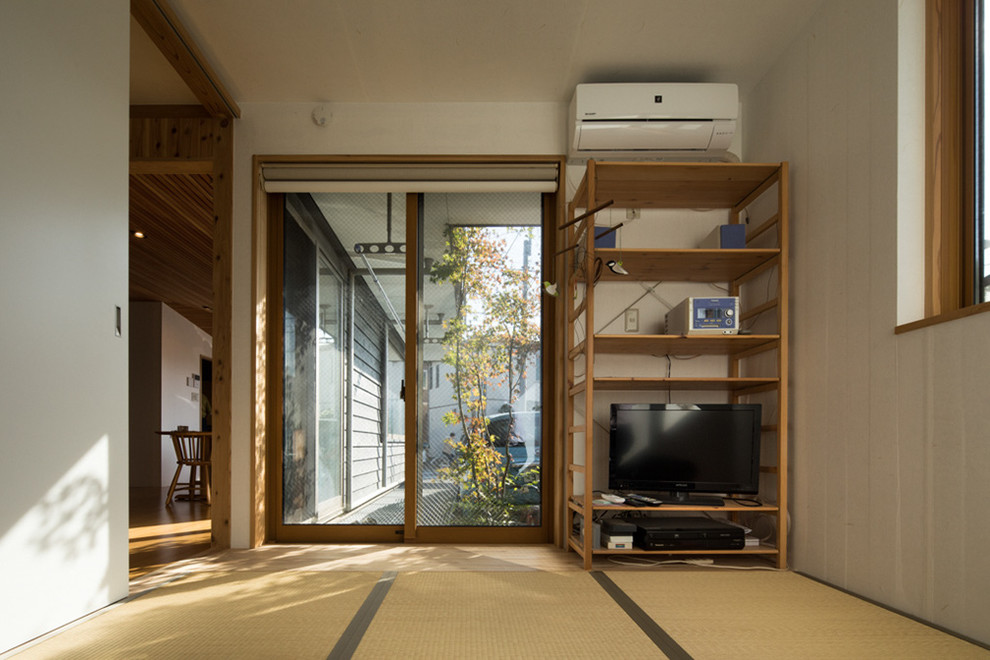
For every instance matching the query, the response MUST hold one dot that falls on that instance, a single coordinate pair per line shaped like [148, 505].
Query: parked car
[523, 432]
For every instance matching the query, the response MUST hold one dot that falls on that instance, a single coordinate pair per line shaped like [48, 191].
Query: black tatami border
[351, 638]
[657, 635]
[348, 642]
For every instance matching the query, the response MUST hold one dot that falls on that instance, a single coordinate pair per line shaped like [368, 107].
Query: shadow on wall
[73, 518]
[62, 556]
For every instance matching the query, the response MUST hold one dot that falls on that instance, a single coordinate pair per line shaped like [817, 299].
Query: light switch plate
[632, 320]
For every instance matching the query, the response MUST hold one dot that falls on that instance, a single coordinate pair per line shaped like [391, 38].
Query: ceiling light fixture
[137, 233]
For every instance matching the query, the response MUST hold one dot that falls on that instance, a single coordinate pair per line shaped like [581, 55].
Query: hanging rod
[586, 214]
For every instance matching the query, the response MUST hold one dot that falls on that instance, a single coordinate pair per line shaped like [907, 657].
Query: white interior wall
[890, 459]
[63, 259]
[910, 161]
[165, 351]
[351, 128]
[182, 346]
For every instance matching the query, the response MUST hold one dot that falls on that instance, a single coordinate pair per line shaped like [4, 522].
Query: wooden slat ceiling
[173, 263]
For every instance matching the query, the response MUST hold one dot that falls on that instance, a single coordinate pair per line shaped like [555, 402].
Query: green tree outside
[492, 336]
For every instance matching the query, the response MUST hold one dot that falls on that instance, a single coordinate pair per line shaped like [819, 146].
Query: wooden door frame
[266, 339]
[151, 154]
[178, 47]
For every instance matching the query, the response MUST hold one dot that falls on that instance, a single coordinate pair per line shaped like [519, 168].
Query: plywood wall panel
[173, 137]
[889, 432]
[857, 82]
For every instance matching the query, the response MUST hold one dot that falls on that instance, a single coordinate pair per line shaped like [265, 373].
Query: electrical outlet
[632, 214]
[632, 320]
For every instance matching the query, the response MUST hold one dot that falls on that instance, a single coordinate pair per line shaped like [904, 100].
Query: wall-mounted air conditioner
[653, 120]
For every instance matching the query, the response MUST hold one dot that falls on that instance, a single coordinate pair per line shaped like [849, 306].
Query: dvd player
[676, 533]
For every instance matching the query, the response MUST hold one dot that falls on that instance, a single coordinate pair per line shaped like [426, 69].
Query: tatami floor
[466, 601]
[170, 541]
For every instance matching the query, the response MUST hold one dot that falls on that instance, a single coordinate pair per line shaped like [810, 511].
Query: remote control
[643, 500]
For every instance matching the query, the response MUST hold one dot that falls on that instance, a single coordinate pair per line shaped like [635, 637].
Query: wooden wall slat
[184, 138]
[173, 263]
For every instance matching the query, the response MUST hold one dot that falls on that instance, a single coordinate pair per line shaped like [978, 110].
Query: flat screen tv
[677, 449]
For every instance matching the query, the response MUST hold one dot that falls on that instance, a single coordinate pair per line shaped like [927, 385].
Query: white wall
[165, 351]
[910, 161]
[889, 434]
[352, 128]
[63, 262]
[183, 344]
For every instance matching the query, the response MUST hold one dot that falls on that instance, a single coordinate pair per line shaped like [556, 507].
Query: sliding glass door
[481, 351]
[312, 447]
[471, 455]
[343, 441]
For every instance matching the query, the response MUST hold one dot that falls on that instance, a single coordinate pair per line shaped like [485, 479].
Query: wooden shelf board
[752, 550]
[695, 384]
[681, 345]
[677, 185]
[688, 265]
[575, 543]
[682, 507]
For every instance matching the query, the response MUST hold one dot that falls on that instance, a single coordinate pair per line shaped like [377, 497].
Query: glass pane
[480, 429]
[299, 415]
[343, 460]
[329, 369]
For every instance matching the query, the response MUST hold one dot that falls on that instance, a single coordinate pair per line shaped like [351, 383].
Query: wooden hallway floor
[161, 535]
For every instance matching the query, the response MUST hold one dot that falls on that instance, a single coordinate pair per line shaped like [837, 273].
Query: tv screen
[684, 448]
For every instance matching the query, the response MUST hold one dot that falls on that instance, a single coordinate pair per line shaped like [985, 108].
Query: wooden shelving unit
[737, 187]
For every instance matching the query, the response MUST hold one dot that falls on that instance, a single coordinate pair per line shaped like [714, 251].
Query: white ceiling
[397, 51]
[153, 80]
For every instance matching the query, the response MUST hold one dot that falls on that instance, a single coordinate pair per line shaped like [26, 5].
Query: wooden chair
[192, 450]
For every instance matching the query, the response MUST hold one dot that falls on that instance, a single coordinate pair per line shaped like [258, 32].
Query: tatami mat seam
[651, 628]
[349, 640]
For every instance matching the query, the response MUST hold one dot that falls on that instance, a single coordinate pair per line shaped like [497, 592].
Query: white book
[617, 538]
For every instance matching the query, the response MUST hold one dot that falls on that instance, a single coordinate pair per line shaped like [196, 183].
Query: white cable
[633, 561]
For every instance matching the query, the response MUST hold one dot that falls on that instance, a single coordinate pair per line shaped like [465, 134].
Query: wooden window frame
[267, 385]
[950, 163]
